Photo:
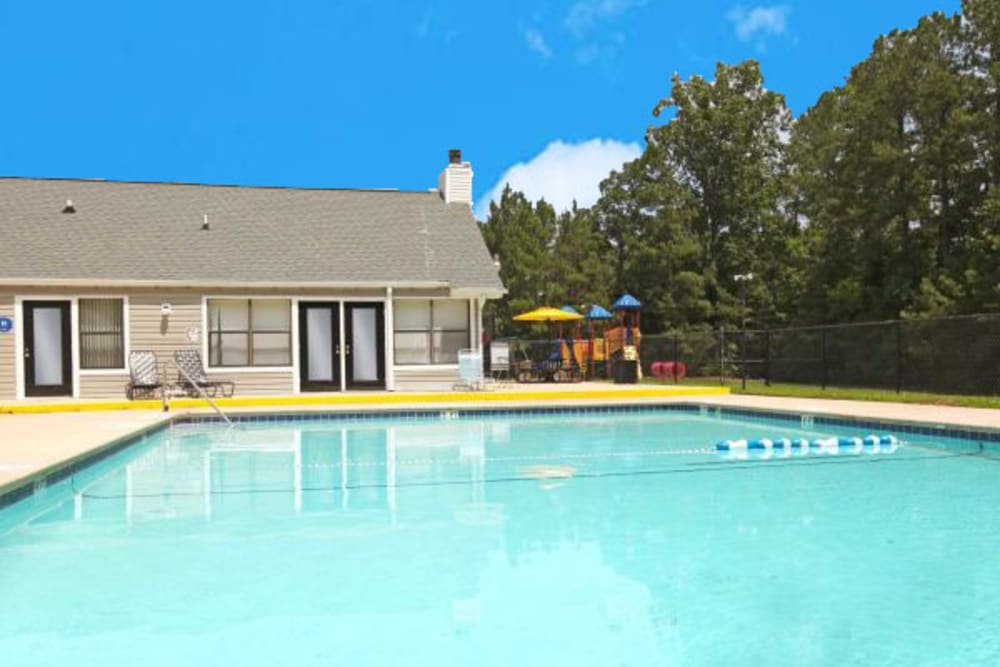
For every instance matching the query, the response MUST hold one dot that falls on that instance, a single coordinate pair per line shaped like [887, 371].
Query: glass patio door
[319, 346]
[47, 349]
[365, 349]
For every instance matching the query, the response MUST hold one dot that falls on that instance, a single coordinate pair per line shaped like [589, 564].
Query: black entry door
[48, 368]
[364, 328]
[319, 346]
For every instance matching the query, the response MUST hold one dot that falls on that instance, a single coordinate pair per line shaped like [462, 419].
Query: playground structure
[609, 345]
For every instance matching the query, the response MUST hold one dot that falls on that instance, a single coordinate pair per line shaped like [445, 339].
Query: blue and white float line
[869, 444]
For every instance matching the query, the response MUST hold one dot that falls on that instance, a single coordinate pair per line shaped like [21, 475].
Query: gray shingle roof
[152, 232]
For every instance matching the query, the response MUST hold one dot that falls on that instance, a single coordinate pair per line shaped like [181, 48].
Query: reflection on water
[216, 474]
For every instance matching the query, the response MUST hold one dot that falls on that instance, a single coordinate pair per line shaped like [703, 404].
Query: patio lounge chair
[189, 366]
[144, 375]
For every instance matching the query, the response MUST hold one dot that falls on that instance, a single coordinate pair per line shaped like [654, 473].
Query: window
[430, 331]
[249, 332]
[102, 334]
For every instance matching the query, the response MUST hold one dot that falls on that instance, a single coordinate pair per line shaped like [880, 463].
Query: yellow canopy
[547, 314]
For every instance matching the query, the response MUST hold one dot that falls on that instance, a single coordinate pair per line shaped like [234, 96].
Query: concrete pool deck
[35, 444]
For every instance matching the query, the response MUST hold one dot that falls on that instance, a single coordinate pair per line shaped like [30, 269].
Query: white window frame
[222, 370]
[125, 334]
[418, 367]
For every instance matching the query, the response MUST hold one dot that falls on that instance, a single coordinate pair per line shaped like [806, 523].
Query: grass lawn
[758, 388]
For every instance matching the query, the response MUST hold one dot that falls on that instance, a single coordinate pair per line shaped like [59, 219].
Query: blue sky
[550, 95]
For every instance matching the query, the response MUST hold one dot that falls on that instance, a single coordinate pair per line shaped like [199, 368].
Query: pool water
[576, 539]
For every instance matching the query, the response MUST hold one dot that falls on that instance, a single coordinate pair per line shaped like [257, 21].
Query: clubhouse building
[280, 290]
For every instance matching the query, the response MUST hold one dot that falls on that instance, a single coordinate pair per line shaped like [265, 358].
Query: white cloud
[583, 15]
[562, 173]
[600, 51]
[760, 22]
[536, 42]
[586, 21]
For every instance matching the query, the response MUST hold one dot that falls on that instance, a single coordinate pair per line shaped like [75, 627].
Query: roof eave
[270, 284]
[462, 292]
[473, 292]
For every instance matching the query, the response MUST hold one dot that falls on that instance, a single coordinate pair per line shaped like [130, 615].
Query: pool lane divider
[362, 399]
[869, 444]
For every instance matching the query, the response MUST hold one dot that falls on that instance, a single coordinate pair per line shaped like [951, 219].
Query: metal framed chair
[144, 375]
[191, 375]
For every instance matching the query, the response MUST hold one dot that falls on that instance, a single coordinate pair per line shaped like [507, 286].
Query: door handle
[347, 349]
[27, 353]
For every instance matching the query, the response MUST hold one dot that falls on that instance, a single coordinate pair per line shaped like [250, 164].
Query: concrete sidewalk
[932, 415]
[32, 446]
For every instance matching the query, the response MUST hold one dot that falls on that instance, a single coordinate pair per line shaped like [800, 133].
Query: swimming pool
[533, 539]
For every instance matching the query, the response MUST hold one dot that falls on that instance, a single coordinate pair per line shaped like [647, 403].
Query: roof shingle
[153, 232]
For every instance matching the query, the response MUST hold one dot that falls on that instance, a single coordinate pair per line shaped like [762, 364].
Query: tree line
[881, 201]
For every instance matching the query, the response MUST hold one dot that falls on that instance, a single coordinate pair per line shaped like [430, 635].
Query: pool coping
[21, 488]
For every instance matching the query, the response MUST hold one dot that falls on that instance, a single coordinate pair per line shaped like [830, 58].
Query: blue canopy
[627, 302]
[569, 309]
[598, 313]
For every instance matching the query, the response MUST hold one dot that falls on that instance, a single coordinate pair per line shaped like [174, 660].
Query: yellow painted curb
[364, 399]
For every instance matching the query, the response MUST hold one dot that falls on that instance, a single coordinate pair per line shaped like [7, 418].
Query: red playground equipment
[669, 370]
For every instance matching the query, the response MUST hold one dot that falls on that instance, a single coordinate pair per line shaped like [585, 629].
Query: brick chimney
[455, 182]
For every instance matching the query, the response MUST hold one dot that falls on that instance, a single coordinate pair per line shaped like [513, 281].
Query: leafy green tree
[580, 271]
[646, 222]
[518, 234]
[982, 25]
[722, 154]
[881, 201]
[887, 174]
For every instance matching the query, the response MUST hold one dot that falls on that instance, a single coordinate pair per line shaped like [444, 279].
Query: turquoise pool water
[618, 539]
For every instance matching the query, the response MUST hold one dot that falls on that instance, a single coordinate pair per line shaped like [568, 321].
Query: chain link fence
[954, 355]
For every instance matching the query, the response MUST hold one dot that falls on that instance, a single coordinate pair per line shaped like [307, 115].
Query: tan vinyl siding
[164, 334]
[148, 329]
[257, 383]
[425, 378]
[112, 386]
[109, 386]
[8, 380]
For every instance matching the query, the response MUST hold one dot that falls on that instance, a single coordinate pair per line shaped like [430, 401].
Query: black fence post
[722, 355]
[899, 356]
[823, 355]
[676, 357]
[767, 357]
[743, 357]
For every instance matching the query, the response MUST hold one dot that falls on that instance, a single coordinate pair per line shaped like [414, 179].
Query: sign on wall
[499, 355]
[6, 324]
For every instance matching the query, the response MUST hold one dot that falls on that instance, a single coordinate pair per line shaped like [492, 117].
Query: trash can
[626, 371]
